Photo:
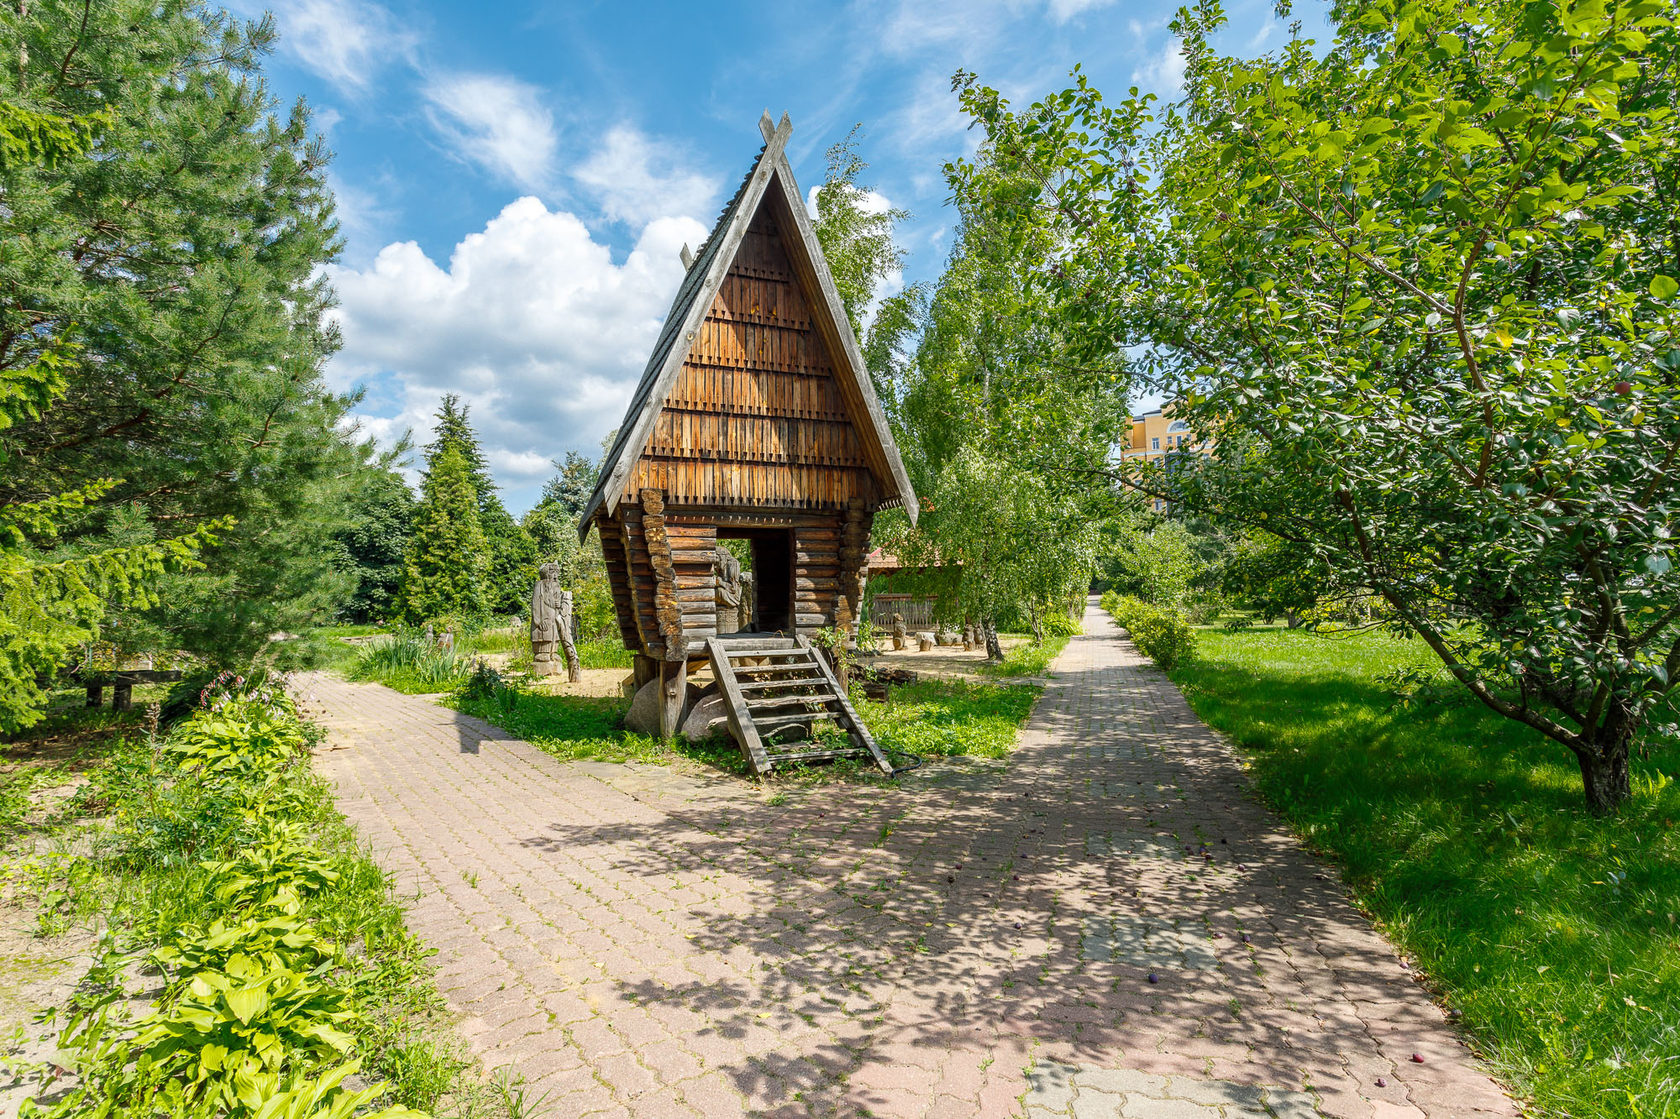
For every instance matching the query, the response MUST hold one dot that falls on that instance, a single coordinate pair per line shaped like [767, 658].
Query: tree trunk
[1037, 626]
[1604, 773]
[994, 648]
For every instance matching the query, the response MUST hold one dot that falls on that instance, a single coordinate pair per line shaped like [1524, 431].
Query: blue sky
[515, 180]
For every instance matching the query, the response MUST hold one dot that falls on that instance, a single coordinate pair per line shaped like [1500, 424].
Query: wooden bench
[122, 685]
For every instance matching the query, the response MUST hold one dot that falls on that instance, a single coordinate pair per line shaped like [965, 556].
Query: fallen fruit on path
[1417, 1058]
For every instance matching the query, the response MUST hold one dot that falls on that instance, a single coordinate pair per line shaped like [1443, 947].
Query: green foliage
[1551, 931]
[172, 257]
[1059, 624]
[1158, 565]
[50, 604]
[444, 568]
[568, 491]
[1008, 540]
[372, 545]
[996, 427]
[235, 738]
[1412, 281]
[1161, 633]
[263, 1009]
[1274, 579]
[856, 235]
[510, 553]
[1032, 658]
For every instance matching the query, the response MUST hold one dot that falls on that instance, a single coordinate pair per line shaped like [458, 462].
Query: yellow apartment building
[1156, 434]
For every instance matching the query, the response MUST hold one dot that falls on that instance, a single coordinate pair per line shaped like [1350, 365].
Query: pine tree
[444, 569]
[453, 424]
[177, 268]
[50, 601]
[569, 490]
[511, 561]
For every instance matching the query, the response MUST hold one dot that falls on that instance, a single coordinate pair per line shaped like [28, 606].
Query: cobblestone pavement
[1108, 925]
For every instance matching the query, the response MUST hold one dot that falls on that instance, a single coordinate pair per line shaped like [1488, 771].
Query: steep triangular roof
[770, 172]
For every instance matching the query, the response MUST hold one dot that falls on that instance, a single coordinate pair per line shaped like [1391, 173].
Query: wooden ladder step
[770, 721]
[754, 693]
[791, 666]
[847, 751]
[764, 702]
[786, 682]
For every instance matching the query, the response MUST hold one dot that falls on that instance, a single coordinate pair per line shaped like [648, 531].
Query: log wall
[659, 562]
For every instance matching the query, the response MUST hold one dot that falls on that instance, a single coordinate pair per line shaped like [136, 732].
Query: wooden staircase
[773, 684]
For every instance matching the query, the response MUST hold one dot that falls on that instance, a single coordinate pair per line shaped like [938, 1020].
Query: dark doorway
[772, 571]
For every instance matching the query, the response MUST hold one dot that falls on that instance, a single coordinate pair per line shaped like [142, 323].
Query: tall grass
[409, 663]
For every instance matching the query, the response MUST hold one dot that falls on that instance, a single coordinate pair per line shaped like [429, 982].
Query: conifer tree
[511, 560]
[176, 269]
[443, 572]
[50, 601]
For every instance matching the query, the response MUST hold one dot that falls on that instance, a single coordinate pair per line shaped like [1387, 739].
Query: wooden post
[673, 676]
[645, 668]
[95, 694]
[122, 696]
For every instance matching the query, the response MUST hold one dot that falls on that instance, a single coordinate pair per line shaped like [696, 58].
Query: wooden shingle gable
[769, 189]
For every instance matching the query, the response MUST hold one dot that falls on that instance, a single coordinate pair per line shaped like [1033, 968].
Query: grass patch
[604, 654]
[949, 718]
[348, 631]
[408, 663]
[1028, 659]
[1465, 835]
[570, 727]
[933, 718]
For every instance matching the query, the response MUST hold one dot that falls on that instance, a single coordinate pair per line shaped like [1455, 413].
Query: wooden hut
[754, 420]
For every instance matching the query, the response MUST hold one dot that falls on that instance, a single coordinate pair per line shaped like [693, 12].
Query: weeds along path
[1109, 924]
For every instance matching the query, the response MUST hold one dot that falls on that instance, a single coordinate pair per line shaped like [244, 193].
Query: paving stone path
[1108, 925]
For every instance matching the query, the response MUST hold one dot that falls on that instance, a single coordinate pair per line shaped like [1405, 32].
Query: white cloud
[869, 201]
[347, 42]
[1163, 74]
[1063, 10]
[497, 122]
[532, 322]
[636, 179]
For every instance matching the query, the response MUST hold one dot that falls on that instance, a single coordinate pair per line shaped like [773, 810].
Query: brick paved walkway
[1108, 925]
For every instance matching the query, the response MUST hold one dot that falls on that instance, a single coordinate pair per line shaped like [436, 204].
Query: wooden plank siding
[756, 416]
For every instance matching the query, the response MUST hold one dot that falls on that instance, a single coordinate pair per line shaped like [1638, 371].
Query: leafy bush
[262, 1006]
[1162, 633]
[1058, 624]
[236, 736]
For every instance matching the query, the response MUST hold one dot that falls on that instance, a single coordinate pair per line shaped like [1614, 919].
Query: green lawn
[932, 718]
[1028, 659]
[1465, 835]
[939, 718]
